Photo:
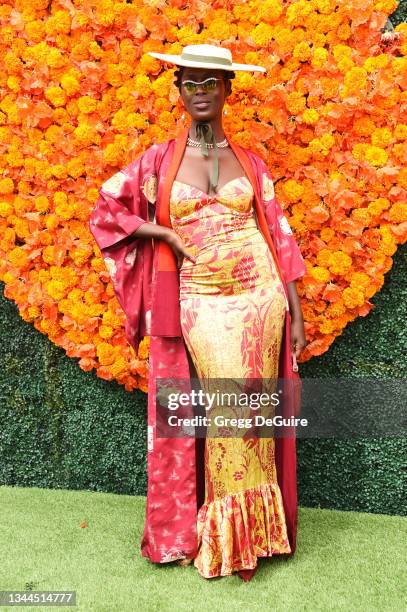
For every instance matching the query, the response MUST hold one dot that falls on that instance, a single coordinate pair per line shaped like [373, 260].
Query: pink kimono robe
[146, 282]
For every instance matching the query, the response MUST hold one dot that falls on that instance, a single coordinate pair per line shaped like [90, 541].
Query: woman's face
[204, 104]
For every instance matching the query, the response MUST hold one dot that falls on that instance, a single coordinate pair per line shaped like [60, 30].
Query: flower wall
[80, 99]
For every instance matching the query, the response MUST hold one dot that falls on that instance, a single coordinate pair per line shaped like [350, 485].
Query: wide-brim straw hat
[206, 56]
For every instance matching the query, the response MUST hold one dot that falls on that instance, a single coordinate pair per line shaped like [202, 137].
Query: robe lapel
[165, 314]
[170, 530]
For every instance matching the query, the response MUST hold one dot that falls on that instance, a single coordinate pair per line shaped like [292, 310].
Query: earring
[183, 116]
[225, 112]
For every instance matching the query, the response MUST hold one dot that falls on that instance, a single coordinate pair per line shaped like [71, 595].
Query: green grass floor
[344, 560]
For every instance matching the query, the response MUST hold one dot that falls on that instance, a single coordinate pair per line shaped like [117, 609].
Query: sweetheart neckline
[218, 192]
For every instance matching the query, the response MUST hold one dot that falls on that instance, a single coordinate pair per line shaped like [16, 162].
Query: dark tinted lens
[190, 87]
[210, 84]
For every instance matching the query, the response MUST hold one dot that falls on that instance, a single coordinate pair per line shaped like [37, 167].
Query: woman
[203, 260]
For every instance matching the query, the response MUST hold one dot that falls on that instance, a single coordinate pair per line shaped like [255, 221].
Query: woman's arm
[168, 235]
[289, 255]
[298, 340]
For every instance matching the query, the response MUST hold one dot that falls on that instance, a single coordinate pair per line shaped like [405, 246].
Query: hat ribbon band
[190, 57]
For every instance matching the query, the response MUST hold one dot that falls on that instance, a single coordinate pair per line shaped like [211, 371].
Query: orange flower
[340, 180]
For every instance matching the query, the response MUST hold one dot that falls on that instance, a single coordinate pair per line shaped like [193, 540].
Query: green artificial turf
[344, 560]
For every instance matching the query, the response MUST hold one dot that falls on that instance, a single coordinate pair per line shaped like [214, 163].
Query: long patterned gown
[232, 315]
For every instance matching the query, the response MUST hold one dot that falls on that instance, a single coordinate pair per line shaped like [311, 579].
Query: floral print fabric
[232, 315]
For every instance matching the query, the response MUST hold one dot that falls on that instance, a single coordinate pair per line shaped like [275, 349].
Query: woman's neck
[216, 127]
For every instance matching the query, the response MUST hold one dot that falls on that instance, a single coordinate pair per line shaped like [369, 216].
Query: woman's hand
[175, 242]
[298, 340]
[168, 235]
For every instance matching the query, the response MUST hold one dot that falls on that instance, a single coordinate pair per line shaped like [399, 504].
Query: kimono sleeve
[291, 261]
[122, 207]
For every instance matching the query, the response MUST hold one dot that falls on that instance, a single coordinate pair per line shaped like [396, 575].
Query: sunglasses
[208, 85]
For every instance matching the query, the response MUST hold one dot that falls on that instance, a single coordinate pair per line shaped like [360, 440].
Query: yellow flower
[398, 212]
[34, 312]
[359, 150]
[149, 65]
[302, 51]
[298, 11]
[381, 137]
[137, 120]
[340, 51]
[75, 294]
[340, 263]
[60, 198]
[18, 257]
[105, 353]
[55, 59]
[119, 367]
[293, 190]
[327, 327]
[354, 81]
[221, 28]
[353, 297]
[81, 254]
[95, 50]
[6, 186]
[70, 84]
[6, 209]
[87, 104]
[35, 30]
[59, 22]
[22, 228]
[361, 215]
[336, 309]
[67, 275]
[143, 348]
[56, 289]
[52, 222]
[268, 11]
[295, 102]
[385, 6]
[8, 278]
[375, 63]
[56, 96]
[85, 135]
[244, 81]
[310, 116]
[162, 85]
[344, 31]
[75, 167]
[359, 279]
[262, 35]
[376, 156]
[319, 57]
[320, 274]
[400, 131]
[376, 207]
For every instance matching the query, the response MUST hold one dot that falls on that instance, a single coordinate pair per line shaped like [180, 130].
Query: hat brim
[178, 61]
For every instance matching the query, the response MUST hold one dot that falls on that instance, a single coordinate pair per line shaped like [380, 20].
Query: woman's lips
[201, 105]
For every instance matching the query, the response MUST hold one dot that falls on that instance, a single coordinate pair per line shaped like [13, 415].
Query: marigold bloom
[90, 107]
